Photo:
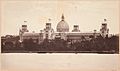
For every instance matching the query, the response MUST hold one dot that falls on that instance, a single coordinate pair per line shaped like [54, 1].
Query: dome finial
[62, 17]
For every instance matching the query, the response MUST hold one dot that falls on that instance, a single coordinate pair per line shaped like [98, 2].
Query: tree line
[95, 45]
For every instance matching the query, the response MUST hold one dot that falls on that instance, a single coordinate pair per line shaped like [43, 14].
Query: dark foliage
[95, 45]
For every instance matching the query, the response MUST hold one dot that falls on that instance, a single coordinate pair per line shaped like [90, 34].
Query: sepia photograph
[68, 32]
[54, 27]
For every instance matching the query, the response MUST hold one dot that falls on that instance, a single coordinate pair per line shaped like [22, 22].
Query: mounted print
[59, 27]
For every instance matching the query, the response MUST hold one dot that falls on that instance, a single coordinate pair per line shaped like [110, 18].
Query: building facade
[62, 32]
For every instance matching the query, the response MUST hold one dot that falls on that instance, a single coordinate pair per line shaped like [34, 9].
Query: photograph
[59, 27]
[59, 35]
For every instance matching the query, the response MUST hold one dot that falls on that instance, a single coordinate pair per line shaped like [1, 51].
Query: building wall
[37, 37]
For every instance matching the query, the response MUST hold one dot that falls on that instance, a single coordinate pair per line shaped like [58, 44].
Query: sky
[88, 14]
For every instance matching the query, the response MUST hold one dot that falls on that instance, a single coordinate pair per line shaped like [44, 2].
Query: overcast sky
[87, 14]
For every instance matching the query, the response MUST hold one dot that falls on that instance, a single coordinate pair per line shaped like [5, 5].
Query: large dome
[62, 26]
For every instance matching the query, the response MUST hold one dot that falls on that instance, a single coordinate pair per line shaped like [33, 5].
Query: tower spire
[105, 20]
[49, 20]
[25, 22]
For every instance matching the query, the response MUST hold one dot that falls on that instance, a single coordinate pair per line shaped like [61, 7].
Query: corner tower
[104, 30]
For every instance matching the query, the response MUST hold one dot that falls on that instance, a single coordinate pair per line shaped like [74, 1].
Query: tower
[22, 31]
[94, 34]
[76, 28]
[48, 31]
[48, 25]
[104, 30]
